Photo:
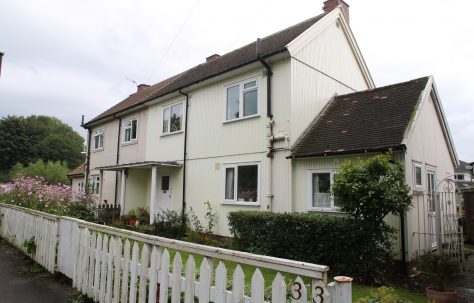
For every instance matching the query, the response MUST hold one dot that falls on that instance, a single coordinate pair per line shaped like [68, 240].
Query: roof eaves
[349, 151]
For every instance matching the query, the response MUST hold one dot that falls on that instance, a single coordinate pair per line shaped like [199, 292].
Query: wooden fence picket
[110, 270]
[125, 272]
[176, 278]
[97, 266]
[144, 263]
[92, 256]
[221, 283]
[154, 267]
[134, 274]
[117, 267]
[204, 281]
[299, 293]
[278, 289]
[103, 267]
[257, 287]
[164, 276]
[238, 284]
[190, 280]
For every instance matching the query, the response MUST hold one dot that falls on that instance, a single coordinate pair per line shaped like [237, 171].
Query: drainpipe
[183, 210]
[88, 157]
[402, 242]
[269, 133]
[118, 157]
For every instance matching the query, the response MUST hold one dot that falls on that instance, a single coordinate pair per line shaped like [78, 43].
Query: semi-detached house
[237, 129]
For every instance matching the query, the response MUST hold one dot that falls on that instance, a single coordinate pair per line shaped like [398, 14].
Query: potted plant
[437, 269]
[132, 217]
[143, 215]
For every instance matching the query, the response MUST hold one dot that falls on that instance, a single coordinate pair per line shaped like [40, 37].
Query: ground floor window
[95, 184]
[241, 183]
[319, 184]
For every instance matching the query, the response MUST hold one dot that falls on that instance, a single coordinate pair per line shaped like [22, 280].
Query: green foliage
[81, 210]
[371, 189]
[52, 172]
[202, 233]
[382, 294]
[30, 246]
[437, 269]
[315, 238]
[169, 224]
[27, 139]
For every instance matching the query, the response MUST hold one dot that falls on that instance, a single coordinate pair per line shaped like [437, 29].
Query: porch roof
[145, 164]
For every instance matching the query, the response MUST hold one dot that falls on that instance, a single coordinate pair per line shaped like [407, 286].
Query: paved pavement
[17, 285]
[464, 281]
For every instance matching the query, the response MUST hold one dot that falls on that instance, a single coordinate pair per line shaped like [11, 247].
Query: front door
[165, 192]
[432, 207]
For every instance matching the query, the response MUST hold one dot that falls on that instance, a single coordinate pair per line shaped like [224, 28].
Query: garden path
[464, 282]
[18, 284]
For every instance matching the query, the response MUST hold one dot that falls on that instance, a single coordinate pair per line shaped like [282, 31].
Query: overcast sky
[68, 58]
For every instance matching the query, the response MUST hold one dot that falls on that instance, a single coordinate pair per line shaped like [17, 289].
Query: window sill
[173, 133]
[241, 203]
[129, 143]
[240, 119]
[96, 150]
[418, 191]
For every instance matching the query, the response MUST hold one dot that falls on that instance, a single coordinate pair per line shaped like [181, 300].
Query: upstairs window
[130, 130]
[242, 100]
[241, 183]
[173, 118]
[99, 139]
[459, 177]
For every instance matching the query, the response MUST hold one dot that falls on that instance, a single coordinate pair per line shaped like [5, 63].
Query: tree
[371, 189]
[26, 140]
[52, 172]
[368, 190]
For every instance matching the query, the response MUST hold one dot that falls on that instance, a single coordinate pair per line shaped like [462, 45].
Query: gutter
[350, 152]
[183, 210]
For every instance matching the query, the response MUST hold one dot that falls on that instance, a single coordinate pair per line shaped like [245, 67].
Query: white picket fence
[115, 265]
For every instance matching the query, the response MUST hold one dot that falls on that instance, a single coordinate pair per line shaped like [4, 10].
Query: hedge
[346, 245]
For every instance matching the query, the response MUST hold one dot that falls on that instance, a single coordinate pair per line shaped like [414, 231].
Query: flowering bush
[57, 199]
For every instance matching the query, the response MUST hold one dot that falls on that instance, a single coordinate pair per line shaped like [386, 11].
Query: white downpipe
[153, 194]
[122, 191]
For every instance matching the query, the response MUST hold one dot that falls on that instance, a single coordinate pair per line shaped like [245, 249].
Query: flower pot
[441, 296]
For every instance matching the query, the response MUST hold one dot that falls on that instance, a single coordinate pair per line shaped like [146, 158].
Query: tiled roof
[77, 172]
[270, 45]
[462, 167]
[370, 120]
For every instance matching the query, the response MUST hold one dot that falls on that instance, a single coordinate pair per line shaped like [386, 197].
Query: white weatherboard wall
[325, 66]
[427, 145]
[134, 152]
[161, 147]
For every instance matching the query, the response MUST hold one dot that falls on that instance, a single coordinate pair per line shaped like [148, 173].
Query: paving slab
[18, 285]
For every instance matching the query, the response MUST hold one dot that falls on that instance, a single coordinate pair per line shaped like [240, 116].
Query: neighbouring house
[77, 177]
[248, 131]
[464, 176]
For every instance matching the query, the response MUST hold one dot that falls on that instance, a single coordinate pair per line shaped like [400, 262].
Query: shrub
[169, 224]
[340, 242]
[437, 269]
[382, 294]
[60, 199]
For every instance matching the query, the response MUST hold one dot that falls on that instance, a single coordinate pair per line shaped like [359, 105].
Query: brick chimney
[329, 5]
[212, 57]
[142, 87]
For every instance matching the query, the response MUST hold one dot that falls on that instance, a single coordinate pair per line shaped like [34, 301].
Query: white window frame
[99, 132]
[311, 172]
[95, 184]
[124, 127]
[417, 187]
[241, 85]
[236, 177]
[183, 118]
